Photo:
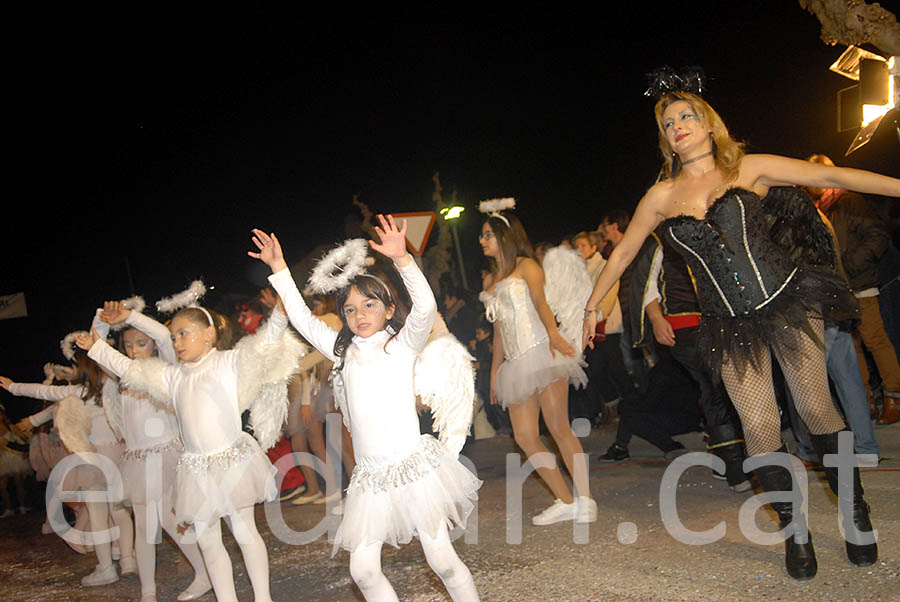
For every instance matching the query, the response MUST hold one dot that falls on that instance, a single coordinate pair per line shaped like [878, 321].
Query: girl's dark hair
[225, 331]
[120, 340]
[512, 242]
[90, 375]
[372, 288]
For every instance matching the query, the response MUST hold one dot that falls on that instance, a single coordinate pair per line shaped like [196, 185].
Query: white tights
[218, 563]
[365, 569]
[99, 513]
[145, 542]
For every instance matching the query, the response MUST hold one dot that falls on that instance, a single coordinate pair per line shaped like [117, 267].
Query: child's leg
[145, 552]
[443, 560]
[365, 569]
[98, 514]
[191, 551]
[122, 518]
[253, 549]
[218, 564]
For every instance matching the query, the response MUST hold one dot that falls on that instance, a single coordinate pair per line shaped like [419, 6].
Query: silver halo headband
[339, 266]
[493, 207]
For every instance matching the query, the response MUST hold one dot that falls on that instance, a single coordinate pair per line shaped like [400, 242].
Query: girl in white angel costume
[86, 431]
[152, 447]
[222, 472]
[405, 483]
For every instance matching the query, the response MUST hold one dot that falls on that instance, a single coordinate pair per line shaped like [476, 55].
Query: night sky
[153, 143]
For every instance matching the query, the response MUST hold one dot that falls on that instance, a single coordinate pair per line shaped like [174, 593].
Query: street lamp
[451, 214]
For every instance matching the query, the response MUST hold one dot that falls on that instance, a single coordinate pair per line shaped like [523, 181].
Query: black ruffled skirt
[810, 294]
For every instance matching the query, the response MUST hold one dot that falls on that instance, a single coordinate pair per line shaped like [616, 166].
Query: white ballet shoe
[128, 565]
[307, 498]
[331, 497]
[46, 528]
[197, 588]
[587, 510]
[101, 576]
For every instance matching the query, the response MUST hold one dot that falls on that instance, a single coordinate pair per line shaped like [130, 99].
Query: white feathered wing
[567, 288]
[445, 382]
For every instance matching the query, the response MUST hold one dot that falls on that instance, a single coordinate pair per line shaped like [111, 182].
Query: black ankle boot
[727, 442]
[799, 558]
[860, 555]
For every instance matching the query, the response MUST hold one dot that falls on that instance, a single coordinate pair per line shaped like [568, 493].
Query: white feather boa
[445, 382]
[264, 370]
[73, 421]
[68, 344]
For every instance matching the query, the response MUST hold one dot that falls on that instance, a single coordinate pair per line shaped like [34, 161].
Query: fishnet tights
[804, 370]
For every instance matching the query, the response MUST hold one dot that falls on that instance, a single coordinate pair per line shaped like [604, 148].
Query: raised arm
[424, 307]
[773, 170]
[39, 391]
[156, 331]
[313, 330]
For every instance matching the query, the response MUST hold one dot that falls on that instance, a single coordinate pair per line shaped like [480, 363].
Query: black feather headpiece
[665, 79]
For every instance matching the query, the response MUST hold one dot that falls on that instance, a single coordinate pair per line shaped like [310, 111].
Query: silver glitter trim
[780, 288]
[705, 267]
[372, 476]
[747, 248]
[139, 455]
[201, 463]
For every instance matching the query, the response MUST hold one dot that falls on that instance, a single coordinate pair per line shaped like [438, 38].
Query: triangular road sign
[418, 228]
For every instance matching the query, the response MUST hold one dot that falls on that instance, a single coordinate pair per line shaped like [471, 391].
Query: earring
[390, 329]
[676, 165]
[207, 342]
[715, 149]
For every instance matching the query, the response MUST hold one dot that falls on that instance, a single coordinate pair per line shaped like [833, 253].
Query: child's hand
[6, 383]
[269, 250]
[23, 428]
[393, 240]
[86, 341]
[114, 312]
[268, 298]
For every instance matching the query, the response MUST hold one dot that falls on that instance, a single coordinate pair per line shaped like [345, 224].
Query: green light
[452, 212]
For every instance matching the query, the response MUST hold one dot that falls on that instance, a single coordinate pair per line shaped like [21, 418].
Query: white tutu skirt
[13, 463]
[158, 464]
[210, 486]
[520, 378]
[393, 502]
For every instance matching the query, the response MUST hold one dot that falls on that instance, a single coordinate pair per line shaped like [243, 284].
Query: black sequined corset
[738, 268]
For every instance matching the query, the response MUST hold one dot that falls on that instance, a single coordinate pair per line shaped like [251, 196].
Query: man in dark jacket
[863, 237]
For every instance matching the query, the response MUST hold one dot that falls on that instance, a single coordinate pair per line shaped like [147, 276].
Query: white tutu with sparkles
[393, 502]
[210, 486]
[156, 464]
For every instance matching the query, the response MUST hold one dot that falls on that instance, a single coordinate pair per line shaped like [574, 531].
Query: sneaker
[148, 597]
[292, 492]
[23, 510]
[556, 513]
[334, 496]
[306, 499]
[128, 565]
[675, 453]
[7, 513]
[587, 510]
[101, 576]
[742, 486]
[338, 509]
[718, 475]
[615, 453]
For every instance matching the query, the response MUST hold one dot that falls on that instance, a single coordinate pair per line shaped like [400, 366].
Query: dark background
[145, 146]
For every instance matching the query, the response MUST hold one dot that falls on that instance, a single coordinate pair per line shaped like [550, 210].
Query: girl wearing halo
[152, 448]
[81, 405]
[222, 472]
[405, 483]
[532, 361]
